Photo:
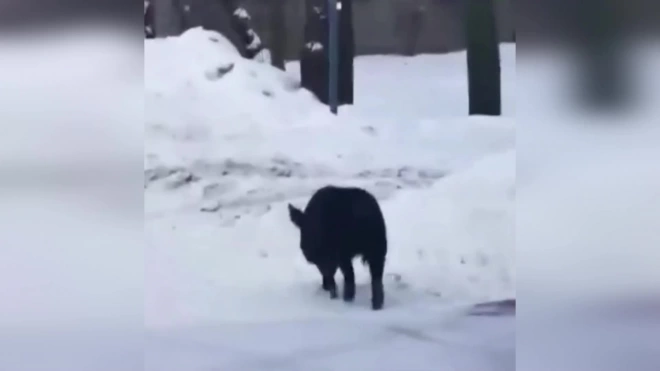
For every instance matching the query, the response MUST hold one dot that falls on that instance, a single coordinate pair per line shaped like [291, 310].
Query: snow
[460, 249]
[423, 343]
[586, 232]
[229, 142]
[314, 46]
[242, 13]
[71, 268]
[598, 180]
[586, 244]
[256, 41]
[264, 56]
[224, 154]
[613, 193]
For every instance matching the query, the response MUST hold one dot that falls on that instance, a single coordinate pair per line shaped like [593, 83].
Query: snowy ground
[229, 142]
[225, 285]
[420, 341]
[592, 177]
[586, 230]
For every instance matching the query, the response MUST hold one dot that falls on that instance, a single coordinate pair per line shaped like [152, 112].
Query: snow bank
[458, 237]
[197, 84]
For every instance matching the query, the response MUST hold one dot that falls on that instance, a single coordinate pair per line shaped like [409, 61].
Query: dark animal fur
[338, 225]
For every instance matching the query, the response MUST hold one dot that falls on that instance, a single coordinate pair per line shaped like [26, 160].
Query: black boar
[338, 225]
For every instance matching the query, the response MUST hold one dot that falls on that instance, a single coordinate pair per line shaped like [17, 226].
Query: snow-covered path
[423, 340]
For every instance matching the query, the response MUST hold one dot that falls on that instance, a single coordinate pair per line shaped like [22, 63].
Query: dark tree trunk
[346, 53]
[314, 56]
[149, 29]
[277, 23]
[483, 59]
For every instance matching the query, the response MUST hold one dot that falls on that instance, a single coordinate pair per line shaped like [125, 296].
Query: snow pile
[197, 85]
[458, 237]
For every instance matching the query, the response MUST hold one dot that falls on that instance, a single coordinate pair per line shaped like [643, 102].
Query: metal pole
[333, 54]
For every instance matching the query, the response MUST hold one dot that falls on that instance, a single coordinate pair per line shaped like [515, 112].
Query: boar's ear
[296, 216]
